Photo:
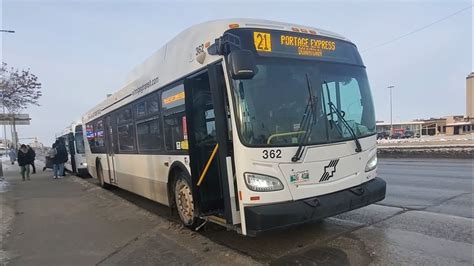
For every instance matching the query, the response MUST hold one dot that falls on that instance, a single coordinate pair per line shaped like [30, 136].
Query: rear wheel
[184, 202]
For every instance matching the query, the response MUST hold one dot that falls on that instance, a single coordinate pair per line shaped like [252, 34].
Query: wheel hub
[185, 202]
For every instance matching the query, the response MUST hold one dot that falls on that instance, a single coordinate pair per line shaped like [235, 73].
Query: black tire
[184, 201]
[100, 176]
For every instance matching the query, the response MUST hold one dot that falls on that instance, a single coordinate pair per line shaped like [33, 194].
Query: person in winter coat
[49, 157]
[59, 159]
[24, 160]
[32, 157]
[12, 154]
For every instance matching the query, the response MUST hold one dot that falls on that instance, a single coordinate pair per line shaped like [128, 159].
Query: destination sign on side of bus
[276, 43]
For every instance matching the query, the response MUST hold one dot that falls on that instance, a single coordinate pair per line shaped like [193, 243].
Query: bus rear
[304, 144]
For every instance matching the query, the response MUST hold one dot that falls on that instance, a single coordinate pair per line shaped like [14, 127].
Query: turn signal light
[233, 26]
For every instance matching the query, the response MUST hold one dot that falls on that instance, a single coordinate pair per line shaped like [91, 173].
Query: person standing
[55, 159]
[32, 157]
[12, 154]
[49, 157]
[60, 158]
[24, 161]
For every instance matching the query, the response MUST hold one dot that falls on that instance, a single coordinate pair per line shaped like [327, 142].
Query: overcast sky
[83, 50]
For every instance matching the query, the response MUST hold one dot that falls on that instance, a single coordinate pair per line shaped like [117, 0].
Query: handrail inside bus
[204, 172]
[284, 134]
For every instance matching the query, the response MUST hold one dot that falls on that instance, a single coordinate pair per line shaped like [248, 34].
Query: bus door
[206, 119]
[109, 144]
[72, 152]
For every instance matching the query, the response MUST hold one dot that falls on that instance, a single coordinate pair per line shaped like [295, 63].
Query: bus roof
[176, 59]
[70, 128]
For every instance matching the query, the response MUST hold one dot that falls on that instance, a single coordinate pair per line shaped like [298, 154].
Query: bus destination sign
[292, 44]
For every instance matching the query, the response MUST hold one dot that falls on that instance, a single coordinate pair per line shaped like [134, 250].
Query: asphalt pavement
[72, 221]
[426, 218]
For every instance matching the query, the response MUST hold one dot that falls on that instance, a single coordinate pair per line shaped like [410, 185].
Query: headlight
[371, 164]
[262, 183]
[84, 164]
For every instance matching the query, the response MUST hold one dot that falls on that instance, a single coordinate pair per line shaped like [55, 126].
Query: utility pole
[391, 110]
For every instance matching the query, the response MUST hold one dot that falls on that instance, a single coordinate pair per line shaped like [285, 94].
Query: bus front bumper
[281, 215]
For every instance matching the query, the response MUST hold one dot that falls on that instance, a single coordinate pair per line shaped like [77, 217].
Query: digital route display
[279, 43]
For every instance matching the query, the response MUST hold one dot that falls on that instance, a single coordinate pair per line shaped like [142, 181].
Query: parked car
[408, 134]
[383, 135]
[396, 135]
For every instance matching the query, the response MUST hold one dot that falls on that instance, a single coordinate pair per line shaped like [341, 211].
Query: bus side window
[174, 118]
[99, 134]
[141, 109]
[126, 137]
[149, 135]
[90, 135]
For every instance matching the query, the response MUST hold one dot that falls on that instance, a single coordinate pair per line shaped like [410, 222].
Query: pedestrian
[12, 154]
[24, 161]
[32, 157]
[59, 159]
[50, 157]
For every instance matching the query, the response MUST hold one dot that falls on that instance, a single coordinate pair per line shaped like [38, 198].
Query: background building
[449, 125]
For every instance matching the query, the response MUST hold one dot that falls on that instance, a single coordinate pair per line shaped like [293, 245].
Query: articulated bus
[74, 140]
[252, 124]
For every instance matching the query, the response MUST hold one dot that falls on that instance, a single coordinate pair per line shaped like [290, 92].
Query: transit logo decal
[329, 170]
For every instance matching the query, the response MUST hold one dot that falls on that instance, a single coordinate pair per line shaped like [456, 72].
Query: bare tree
[19, 88]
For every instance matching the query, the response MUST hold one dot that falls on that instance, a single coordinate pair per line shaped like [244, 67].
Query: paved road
[71, 221]
[427, 218]
[442, 186]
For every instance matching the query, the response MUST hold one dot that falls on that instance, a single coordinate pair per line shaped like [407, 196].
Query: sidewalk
[74, 222]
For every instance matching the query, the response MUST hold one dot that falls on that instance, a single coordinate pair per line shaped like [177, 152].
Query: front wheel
[184, 202]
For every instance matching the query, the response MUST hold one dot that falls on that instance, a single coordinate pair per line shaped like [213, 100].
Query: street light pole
[391, 110]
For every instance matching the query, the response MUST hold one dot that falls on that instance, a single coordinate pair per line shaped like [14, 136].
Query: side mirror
[242, 64]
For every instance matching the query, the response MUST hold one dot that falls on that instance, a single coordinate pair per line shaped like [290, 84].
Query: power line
[417, 30]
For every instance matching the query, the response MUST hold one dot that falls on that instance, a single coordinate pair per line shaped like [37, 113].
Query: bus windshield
[271, 106]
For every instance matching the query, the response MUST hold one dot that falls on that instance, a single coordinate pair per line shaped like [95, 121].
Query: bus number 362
[271, 154]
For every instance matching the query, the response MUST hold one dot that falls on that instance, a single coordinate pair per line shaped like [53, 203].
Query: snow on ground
[3, 185]
[430, 140]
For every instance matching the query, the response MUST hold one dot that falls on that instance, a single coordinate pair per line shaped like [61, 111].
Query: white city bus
[255, 125]
[74, 140]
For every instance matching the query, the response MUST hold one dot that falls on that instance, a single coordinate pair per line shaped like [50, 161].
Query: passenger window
[141, 109]
[152, 105]
[90, 135]
[99, 134]
[126, 137]
[174, 119]
[175, 138]
[124, 115]
[149, 135]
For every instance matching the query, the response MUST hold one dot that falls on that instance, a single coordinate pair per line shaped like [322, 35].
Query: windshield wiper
[307, 121]
[344, 121]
